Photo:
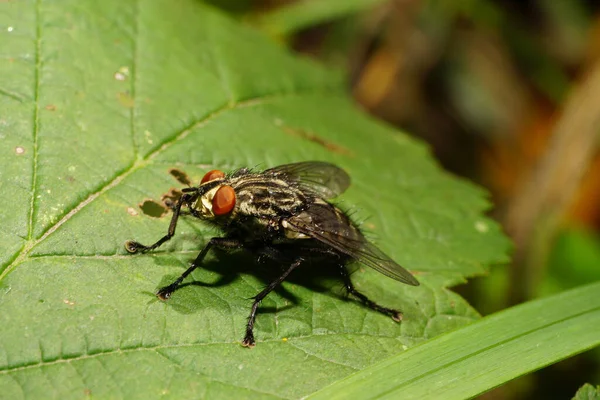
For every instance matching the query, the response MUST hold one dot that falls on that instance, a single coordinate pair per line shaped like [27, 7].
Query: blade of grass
[485, 354]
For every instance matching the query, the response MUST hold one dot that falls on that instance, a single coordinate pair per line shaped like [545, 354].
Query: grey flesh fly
[282, 213]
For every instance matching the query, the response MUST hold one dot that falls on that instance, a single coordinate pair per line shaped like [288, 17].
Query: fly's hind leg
[395, 314]
[249, 337]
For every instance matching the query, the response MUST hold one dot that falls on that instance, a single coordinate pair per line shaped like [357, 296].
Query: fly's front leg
[249, 338]
[395, 314]
[134, 247]
[221, 243]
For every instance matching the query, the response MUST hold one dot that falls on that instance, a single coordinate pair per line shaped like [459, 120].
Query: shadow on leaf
[231, 266]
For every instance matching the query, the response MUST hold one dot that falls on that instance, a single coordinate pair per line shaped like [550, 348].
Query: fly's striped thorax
[267, 196]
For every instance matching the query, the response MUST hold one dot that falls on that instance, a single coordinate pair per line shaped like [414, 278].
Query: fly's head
[215, 198]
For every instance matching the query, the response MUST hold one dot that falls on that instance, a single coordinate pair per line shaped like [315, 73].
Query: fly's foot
[133, 247]
[396, 316]
[165, 292]
[249, 340]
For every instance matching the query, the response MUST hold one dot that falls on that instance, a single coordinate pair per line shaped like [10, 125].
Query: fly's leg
[249, 338]
[133, 246]
[222, 243]
[395, 314]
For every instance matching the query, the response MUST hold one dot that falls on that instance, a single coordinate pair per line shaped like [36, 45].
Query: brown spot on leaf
[132, 211]
[333, 147]
[181, 176]
[153, 209]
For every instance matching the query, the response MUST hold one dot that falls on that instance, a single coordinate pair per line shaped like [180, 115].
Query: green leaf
[99, 101]
[485, 354]
[588, 392]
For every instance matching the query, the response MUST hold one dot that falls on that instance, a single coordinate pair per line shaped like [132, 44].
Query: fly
[282, 213]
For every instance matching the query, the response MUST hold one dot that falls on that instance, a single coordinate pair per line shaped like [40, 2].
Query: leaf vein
[36, 109]
[15, 96]
[134, 65]
[41, 364]
[320, 357]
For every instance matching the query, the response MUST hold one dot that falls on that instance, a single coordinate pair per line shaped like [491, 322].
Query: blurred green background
[507, 94]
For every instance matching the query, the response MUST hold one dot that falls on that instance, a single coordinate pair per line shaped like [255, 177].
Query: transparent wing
[329, 225]
[325, 179]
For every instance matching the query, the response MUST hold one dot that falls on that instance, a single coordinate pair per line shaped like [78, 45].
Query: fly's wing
[322, 178]
[329, 225]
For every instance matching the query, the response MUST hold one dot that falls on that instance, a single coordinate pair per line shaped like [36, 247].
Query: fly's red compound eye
[224, 200]
[212, 175]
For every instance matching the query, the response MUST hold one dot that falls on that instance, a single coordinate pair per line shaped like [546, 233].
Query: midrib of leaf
[16, 258]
